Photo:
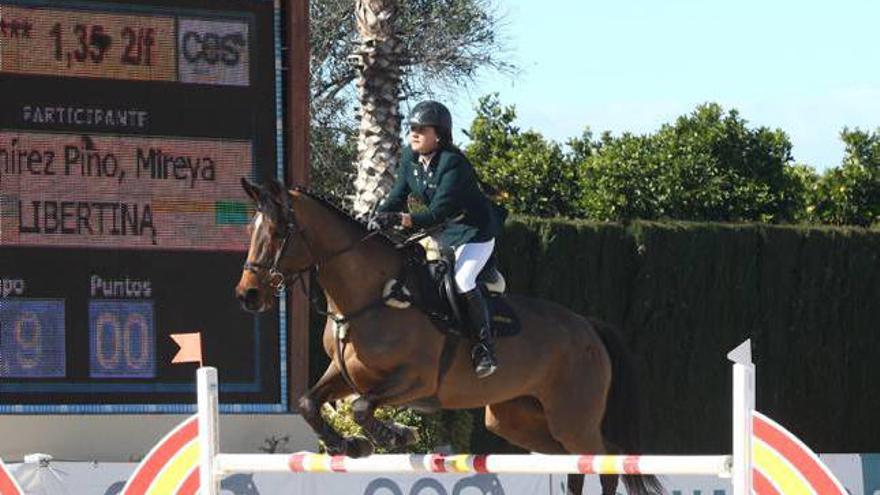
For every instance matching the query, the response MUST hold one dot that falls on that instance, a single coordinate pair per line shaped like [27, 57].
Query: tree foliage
[525, 172]
[446, 44]
[333, 149]
[708, 165]
[850, 194]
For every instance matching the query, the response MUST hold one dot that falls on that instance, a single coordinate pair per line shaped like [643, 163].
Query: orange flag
[190, 348]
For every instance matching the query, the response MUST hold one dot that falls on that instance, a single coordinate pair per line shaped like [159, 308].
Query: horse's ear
[252, 190]
[277, 191]
[273, 187]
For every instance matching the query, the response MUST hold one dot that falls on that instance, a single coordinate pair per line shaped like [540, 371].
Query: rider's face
[423, 140]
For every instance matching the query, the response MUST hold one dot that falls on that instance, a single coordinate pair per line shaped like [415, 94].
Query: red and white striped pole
[306, 462]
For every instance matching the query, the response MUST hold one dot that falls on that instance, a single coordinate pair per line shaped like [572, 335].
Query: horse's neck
[354, 279]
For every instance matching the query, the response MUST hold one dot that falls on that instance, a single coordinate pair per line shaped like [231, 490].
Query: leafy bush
[706, 166]
[443, 430]
[526, 173]
[850, 194]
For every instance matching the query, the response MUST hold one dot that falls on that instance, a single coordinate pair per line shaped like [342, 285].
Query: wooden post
[297, 171]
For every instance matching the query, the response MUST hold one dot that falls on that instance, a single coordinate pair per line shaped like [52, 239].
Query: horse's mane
[335, 205]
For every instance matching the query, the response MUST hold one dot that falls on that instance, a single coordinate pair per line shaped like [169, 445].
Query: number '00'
[108, 327]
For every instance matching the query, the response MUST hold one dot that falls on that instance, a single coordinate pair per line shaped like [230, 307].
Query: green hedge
[684, 294]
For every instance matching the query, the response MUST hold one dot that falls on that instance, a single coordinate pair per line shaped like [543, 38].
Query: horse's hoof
[358, 447]
[408, 436]
[399, 437]
[335, 448]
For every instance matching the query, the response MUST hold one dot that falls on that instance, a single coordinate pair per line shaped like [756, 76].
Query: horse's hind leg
[575, 407]
[608, 482]
[331, 386]
[581, 434]
[521, 422]
[581, 439]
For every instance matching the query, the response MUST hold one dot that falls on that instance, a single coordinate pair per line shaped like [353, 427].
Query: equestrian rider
[438, 173]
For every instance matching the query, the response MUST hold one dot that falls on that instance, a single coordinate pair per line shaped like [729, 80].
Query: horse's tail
[621, 426]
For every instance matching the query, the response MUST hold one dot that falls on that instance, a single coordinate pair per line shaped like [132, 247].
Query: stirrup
[487, 363]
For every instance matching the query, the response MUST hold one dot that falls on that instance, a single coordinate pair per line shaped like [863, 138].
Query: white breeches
[469, 261]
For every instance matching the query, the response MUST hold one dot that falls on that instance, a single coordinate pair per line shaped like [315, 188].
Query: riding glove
[386, 220]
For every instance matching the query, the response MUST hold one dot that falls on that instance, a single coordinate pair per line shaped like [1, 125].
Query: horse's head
[274, 235]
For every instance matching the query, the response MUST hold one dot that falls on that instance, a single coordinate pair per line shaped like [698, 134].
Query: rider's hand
[386, 220]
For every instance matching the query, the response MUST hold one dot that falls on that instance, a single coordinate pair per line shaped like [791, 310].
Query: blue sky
[809, 68]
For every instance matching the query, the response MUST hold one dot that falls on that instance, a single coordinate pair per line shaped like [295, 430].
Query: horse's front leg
[330, 387]
[399, 388]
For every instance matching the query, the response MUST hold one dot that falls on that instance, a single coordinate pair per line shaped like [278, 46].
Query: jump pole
[214, 465]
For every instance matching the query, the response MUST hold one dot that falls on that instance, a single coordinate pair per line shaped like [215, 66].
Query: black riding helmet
[433, 114]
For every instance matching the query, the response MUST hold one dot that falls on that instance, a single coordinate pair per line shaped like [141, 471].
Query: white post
[743, 405]
[206, 382]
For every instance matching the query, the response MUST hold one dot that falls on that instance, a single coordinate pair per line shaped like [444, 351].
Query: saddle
[428, 282]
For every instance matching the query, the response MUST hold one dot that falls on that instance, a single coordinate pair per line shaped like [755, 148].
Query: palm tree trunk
[378, 62]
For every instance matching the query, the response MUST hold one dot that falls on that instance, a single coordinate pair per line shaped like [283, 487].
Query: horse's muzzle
[250, 300]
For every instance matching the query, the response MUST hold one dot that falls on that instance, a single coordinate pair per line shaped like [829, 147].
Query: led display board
[125, 128]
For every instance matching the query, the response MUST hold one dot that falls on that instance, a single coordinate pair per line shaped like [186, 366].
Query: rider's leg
[469, 261]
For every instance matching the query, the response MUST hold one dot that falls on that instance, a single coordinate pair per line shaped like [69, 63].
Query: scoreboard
[125, 127]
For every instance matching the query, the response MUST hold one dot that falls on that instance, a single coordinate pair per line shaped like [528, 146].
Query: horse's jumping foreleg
[397, 389]
[389, 435]
[330, 387]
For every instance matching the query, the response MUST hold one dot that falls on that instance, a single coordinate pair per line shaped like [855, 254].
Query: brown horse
[550, 394]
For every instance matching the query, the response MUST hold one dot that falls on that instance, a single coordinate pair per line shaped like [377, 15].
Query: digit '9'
[29, 347]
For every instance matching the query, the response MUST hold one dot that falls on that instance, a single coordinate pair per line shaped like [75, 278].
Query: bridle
[277, 279]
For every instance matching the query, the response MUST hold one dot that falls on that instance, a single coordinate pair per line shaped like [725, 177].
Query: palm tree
[378, 59]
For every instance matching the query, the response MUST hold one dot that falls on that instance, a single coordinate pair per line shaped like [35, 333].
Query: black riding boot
[482, 353]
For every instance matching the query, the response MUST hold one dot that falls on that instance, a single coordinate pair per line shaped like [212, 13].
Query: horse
[565, 384]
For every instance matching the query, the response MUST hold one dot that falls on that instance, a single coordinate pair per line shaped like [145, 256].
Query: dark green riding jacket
[447, 188]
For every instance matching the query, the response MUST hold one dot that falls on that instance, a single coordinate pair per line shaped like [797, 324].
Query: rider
[438, 173]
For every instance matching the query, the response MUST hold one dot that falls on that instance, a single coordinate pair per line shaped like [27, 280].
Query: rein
[278, 280]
